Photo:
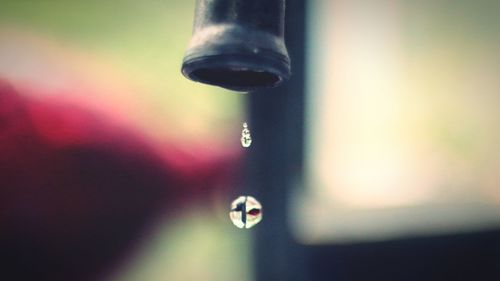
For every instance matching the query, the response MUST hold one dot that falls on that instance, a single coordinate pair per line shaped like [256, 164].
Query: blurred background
[402, 123]
[378, 160]
[120, 60]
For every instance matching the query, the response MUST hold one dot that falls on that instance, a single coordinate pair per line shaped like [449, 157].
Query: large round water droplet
[245, 212]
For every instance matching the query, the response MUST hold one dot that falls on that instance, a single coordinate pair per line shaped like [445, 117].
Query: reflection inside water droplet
[245, 212]
[246, 139]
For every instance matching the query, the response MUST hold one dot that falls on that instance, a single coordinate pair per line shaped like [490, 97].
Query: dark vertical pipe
[275, 161]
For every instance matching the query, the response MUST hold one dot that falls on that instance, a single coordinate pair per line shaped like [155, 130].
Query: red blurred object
[76, 192]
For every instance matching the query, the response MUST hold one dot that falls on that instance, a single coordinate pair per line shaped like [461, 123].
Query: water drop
[245, 212]
[246, 139]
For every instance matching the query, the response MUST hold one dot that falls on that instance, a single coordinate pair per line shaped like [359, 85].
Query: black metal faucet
[238, 44]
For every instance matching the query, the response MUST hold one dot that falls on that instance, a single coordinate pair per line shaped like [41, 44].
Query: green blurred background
[128, 51]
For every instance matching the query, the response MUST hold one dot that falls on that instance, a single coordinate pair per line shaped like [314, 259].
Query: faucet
[238, 44]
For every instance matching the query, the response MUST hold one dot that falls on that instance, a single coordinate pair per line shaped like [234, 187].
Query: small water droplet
[246, 138]
[245, 212]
